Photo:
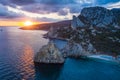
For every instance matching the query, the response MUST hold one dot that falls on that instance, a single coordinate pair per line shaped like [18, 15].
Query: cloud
[54, 15]
[56, 2]
[22, 2]
[63, 11]
[101, 2]
[59, 6]
[45, 9]
[3, 10]
[4, 13]
[4, 2]
[113, 5]
[45, 19]
[48, 6]
[41, 8]
[46, 2]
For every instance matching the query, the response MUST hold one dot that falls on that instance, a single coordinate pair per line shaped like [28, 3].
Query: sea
[18, 48]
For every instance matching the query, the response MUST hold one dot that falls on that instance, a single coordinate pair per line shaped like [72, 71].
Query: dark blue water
[18, 47]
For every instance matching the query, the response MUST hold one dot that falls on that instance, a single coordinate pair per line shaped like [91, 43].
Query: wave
[104, 58]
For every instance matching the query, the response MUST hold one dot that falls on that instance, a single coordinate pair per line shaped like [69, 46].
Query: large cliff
[96, 26]
[98, 17]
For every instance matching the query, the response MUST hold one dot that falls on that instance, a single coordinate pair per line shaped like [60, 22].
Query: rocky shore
[96, 31]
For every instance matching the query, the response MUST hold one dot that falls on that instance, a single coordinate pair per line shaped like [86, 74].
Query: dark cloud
[22, 2]
[46, 9]
[52, 6]
[45, 19]
[4, 2]
[61, 7]
[106, 1]
[4, 13]
[56, 2]
[63, 12]
[48, 6]
[46, 2]
[40, 8]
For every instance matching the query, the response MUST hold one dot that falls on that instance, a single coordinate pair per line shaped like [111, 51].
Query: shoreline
[97, 56]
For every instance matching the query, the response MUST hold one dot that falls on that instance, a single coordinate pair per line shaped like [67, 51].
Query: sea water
[17, 50]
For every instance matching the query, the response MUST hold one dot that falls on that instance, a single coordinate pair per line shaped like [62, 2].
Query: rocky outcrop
[76, 22]
[98, 16]
[49, 54]
[63, 33]
[79, 44]
[78, 49]
[51, 33]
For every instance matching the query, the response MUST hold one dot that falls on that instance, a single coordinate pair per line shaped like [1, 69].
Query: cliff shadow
[47, 71]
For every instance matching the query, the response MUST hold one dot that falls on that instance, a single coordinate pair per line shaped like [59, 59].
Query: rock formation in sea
[49, 54]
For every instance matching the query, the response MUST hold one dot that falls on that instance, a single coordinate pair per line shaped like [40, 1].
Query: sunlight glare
[28, 23]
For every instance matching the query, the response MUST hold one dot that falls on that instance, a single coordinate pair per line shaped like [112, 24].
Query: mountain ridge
[47, 26]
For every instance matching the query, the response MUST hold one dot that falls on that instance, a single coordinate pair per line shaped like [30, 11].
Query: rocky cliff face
[76, 22]
[60, 33]
[49, 54]
[98, 17]
[73, 49]
[117, 14]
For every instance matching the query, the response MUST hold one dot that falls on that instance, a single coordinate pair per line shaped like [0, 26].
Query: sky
[47, 10]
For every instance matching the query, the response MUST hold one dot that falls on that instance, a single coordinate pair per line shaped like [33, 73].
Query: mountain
[47, 26]
[116, 12]
[95, 31]
[98, 17]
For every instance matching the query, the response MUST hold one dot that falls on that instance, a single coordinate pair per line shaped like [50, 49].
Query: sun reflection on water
[27, 62]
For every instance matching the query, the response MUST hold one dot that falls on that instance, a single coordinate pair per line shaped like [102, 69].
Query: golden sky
[18, 23]
[8, 23]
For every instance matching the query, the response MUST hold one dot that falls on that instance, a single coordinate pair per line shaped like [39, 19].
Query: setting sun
[28, 23]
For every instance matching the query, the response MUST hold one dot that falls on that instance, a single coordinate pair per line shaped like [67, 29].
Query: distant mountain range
[47, 26]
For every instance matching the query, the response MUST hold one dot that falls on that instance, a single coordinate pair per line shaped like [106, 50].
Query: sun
[28, 23]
